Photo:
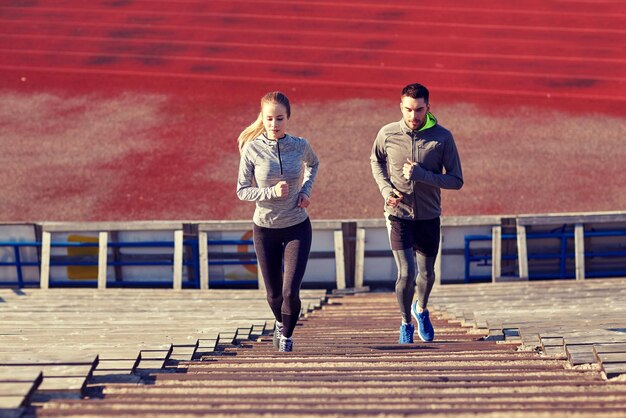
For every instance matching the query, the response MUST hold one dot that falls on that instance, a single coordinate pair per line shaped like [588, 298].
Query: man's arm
[453, 176]
[378, 160]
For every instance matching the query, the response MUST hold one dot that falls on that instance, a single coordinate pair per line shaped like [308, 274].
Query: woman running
[272, 163]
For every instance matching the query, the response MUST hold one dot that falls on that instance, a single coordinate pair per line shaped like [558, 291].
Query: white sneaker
[286, 344]
[278, 332]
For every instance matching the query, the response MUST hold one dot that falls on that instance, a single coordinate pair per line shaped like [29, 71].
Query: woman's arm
[246, 187]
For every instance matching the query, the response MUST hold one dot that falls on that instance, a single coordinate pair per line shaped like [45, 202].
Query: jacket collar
[431, 121]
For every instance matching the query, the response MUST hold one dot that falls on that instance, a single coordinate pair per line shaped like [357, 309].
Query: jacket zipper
[413, 184]
[280, 161]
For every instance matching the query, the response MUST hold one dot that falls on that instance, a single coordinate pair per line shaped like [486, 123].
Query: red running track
[212, 60]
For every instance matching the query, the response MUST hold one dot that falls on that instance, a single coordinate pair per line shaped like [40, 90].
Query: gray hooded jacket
[264, 162]
[439, 167]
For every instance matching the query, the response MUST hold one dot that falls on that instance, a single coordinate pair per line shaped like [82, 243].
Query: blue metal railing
[482, 259]
[193, 261]
[563, 255]
[18, 263]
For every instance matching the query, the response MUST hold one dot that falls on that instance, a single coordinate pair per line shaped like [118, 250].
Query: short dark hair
[416, 91]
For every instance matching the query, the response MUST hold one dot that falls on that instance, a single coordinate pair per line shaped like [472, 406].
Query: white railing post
[178, 260]
[103, 242]
[522, 252]
[203, 252]
[496, 253]
[44, 282]
[339, 260]
[579, 243]
[359, 258]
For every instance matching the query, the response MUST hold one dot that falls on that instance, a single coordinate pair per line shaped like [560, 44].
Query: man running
[412, 160]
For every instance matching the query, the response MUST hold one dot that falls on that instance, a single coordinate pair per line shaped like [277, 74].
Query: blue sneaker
[406, 333]
[424, 326]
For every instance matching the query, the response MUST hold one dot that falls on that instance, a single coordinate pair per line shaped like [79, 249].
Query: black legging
[409, 263]
[283, 288]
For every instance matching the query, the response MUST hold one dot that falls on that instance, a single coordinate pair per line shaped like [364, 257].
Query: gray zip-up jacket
[433, 148]
[264, 162]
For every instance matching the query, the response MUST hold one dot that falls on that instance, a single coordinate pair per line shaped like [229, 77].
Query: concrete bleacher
[52, 342]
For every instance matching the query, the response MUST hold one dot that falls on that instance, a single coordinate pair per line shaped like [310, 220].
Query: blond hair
[256, 128]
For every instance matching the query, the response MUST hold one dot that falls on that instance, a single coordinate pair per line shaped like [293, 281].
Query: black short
[421, 235]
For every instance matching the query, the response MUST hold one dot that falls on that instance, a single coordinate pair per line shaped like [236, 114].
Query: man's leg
[401, 240]
[405, 282]
[425, 279]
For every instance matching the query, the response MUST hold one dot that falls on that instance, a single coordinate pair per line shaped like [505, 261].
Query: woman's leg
[297, 248]
[268, 245]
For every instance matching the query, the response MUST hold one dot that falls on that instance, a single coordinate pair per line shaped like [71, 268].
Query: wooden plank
[211, 226]
[15, 388]
[487, 220]
[63, 324]
[54, 370]
[551, 341]
[225, 226]
[56, 377]
[150, 364]
[596, 339]
[609, 348]
[227, 337]
[318, 225]
[64, 384]
[183, 352]
[10, 406]
[15, 374]
[156, 354]
[580, 354]
[206, 345]
[579, 242]
[572, 218]
[18, 386]
[117, 365]
[612, 358]
[613, 370]
[111, 226]
[243, 333]
[530, 339]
